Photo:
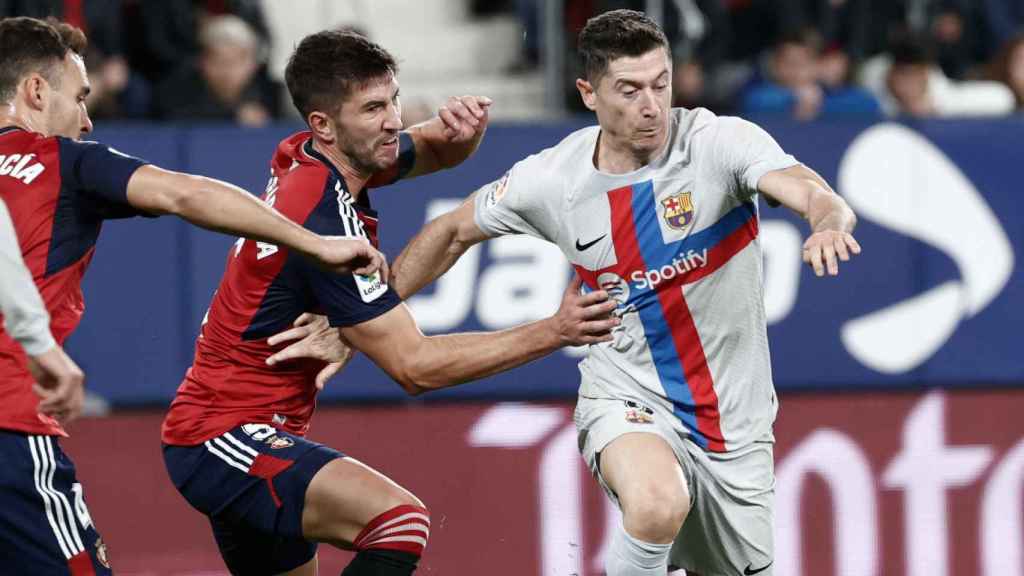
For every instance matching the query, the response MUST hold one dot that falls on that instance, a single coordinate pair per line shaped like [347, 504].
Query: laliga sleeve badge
[370, 287]
[497, 190]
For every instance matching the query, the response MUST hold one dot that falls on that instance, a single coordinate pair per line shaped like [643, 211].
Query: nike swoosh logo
[582, 247]
[747, 571]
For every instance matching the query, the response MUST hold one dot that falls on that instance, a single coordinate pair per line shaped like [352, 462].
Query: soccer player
[59, 191]
[234, 438]
[658, 207]
[28, 324]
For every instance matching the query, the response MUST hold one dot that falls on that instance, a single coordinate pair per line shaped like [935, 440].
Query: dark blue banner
[933, 300]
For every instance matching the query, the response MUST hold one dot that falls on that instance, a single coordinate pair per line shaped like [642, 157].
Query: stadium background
[900, 448]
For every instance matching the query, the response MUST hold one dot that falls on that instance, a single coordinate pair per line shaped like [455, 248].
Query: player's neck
[355, 179]
[13, 115]
[619, 158]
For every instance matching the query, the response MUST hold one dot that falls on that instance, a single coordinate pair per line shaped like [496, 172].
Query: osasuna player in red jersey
[59, 190]
[26, 321]
[234, 437]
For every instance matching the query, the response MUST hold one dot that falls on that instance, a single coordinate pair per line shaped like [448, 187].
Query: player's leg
[251, 483]
[352, 506]
[729, 530]
[642, 470]
[45, 527]
[308, 569]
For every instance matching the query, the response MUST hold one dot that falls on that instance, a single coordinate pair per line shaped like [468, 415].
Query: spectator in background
[908, 81]
[1004, 20]
[701, 77]
[794, 87]
[117, 91]
[956, 29]
[1008, 68]
[161, 34]
[221, 84]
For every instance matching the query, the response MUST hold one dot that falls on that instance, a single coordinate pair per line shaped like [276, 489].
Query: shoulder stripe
[353, 224]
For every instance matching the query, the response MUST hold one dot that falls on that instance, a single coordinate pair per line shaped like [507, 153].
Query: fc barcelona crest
[678, 210]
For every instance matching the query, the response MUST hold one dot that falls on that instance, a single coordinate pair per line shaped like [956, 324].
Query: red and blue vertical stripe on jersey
[671, 334]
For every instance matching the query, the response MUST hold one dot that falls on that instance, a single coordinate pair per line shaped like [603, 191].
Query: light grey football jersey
[676, 244]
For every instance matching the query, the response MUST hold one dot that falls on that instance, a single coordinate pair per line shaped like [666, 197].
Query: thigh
[250, 552]
[45, 527]
[629, 449]
[251, 482]
[729, 530]
[344, 496]
[640, 467]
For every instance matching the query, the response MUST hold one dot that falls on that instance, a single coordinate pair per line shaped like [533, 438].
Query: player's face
[67, 115]
[368, 125]
[633, 101]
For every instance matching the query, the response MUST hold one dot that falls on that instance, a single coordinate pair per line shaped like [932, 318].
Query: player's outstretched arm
[831, 218]
[452, 136]
[427, 256]
[435, 249]
[422, 363]
[225, 208]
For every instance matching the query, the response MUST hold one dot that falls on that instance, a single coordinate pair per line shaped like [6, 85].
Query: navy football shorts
[251, 483]
[45, 528]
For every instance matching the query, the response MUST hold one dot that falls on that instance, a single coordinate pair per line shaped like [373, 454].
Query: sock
[381, 563]
[628, 556]
[391, 544]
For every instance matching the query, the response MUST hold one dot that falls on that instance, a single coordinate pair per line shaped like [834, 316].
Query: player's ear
[587, 93]
[37, 91]
[322, 126]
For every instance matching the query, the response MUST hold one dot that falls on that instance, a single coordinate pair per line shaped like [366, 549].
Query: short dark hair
[615, 34]
[31, 45]
[326, 66]
[909, 49]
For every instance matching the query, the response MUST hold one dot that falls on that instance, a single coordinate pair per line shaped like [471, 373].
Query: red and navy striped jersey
[263, 290]
[59, 192]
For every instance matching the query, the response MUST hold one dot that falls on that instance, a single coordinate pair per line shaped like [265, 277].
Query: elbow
[413, 378]
[423, 373]
[413, 385]
[463, 234]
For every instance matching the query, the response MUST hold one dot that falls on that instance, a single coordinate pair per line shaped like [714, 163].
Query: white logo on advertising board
[896, 178]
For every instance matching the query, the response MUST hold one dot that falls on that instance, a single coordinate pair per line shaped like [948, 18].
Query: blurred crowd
[180, 60]
[207, 60]
[810, 59]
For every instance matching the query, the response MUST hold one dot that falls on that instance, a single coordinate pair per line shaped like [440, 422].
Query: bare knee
[645, 474]
[654, 514]
[347, 500]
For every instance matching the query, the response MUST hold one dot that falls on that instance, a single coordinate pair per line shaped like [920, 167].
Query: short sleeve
[350, 299]
[523, 201]
[747, 152]
[24, 315]
[346, 299]
[98, 170]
